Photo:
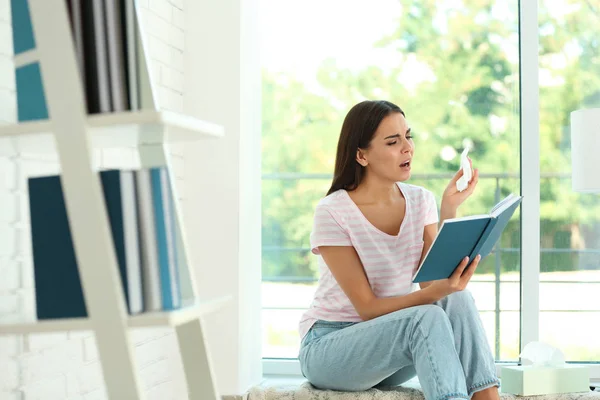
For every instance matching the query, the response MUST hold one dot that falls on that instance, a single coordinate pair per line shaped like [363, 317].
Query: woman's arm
[348, 271]
[446, 212]
[429, 234]
[346, 267]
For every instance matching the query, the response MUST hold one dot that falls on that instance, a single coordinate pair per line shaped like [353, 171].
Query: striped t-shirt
[389, 261]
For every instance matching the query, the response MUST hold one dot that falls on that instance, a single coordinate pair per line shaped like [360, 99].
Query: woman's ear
[361, 158]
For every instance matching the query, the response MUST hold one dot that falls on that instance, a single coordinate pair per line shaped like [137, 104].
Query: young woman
[368, 324]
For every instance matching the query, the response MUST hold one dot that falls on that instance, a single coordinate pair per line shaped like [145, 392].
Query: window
[570, 222]
[457, 79]
[453, 66]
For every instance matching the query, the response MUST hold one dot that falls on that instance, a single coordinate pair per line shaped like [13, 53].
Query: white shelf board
[42, 326]
[178, 317]
[121, 129]
[153, 319]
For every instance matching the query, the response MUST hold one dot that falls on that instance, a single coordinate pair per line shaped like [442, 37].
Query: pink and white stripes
[389, 261]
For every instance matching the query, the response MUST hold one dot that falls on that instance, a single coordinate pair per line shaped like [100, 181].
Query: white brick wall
[65, 365]
[10, 346]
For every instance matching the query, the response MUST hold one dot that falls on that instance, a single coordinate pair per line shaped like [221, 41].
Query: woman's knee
[463, 297]
[431, 315]
[459, 302]
[431, 322]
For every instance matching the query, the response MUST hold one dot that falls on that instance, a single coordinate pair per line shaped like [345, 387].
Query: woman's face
[391, 150]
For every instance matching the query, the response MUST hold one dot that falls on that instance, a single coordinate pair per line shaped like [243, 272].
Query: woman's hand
[452, 198]
[457, 281]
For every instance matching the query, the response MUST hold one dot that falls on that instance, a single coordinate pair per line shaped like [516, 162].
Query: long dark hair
[358, 129]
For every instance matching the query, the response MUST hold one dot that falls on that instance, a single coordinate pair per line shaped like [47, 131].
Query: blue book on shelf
[466, 236]
[58, 292]
[57, 283]
[31, 100]
[166, 236]
[23, 38]
[121, 206]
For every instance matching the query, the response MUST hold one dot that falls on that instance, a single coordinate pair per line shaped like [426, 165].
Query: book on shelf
[23, 38]
[157, 228]
[142, 222]
[31, 101]
[132, 51]
[152, 290]
[107, 50]
[117, 59]
[119, 197]
[75, 8]
[465, 236]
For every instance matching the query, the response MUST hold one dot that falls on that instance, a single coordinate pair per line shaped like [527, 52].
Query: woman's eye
[392, 143]
[409, 137]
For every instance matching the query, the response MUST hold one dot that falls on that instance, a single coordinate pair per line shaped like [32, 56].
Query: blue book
[31, 100]
[466, 236]
[57, 283]
[23, 38]
[165, 225]
[58, 292]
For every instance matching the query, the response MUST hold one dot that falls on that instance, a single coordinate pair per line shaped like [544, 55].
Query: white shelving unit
[73, 134]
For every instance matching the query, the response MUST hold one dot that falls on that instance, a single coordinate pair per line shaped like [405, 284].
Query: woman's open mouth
[405, 164]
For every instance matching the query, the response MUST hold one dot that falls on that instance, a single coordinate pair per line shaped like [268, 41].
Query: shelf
[178, 317]
[44, 326]
[145, 320]
[123, 129]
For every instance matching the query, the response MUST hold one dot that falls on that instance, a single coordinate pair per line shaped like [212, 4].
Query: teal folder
[466, 236]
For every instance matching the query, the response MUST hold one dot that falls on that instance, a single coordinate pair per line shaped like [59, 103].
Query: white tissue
[463, 182]
[540, 354]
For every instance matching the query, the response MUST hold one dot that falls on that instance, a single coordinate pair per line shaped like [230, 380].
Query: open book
[465, 236]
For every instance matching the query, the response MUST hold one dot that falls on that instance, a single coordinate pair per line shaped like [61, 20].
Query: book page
[502, 203]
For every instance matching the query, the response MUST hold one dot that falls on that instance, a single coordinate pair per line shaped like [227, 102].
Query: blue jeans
[444, 344]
